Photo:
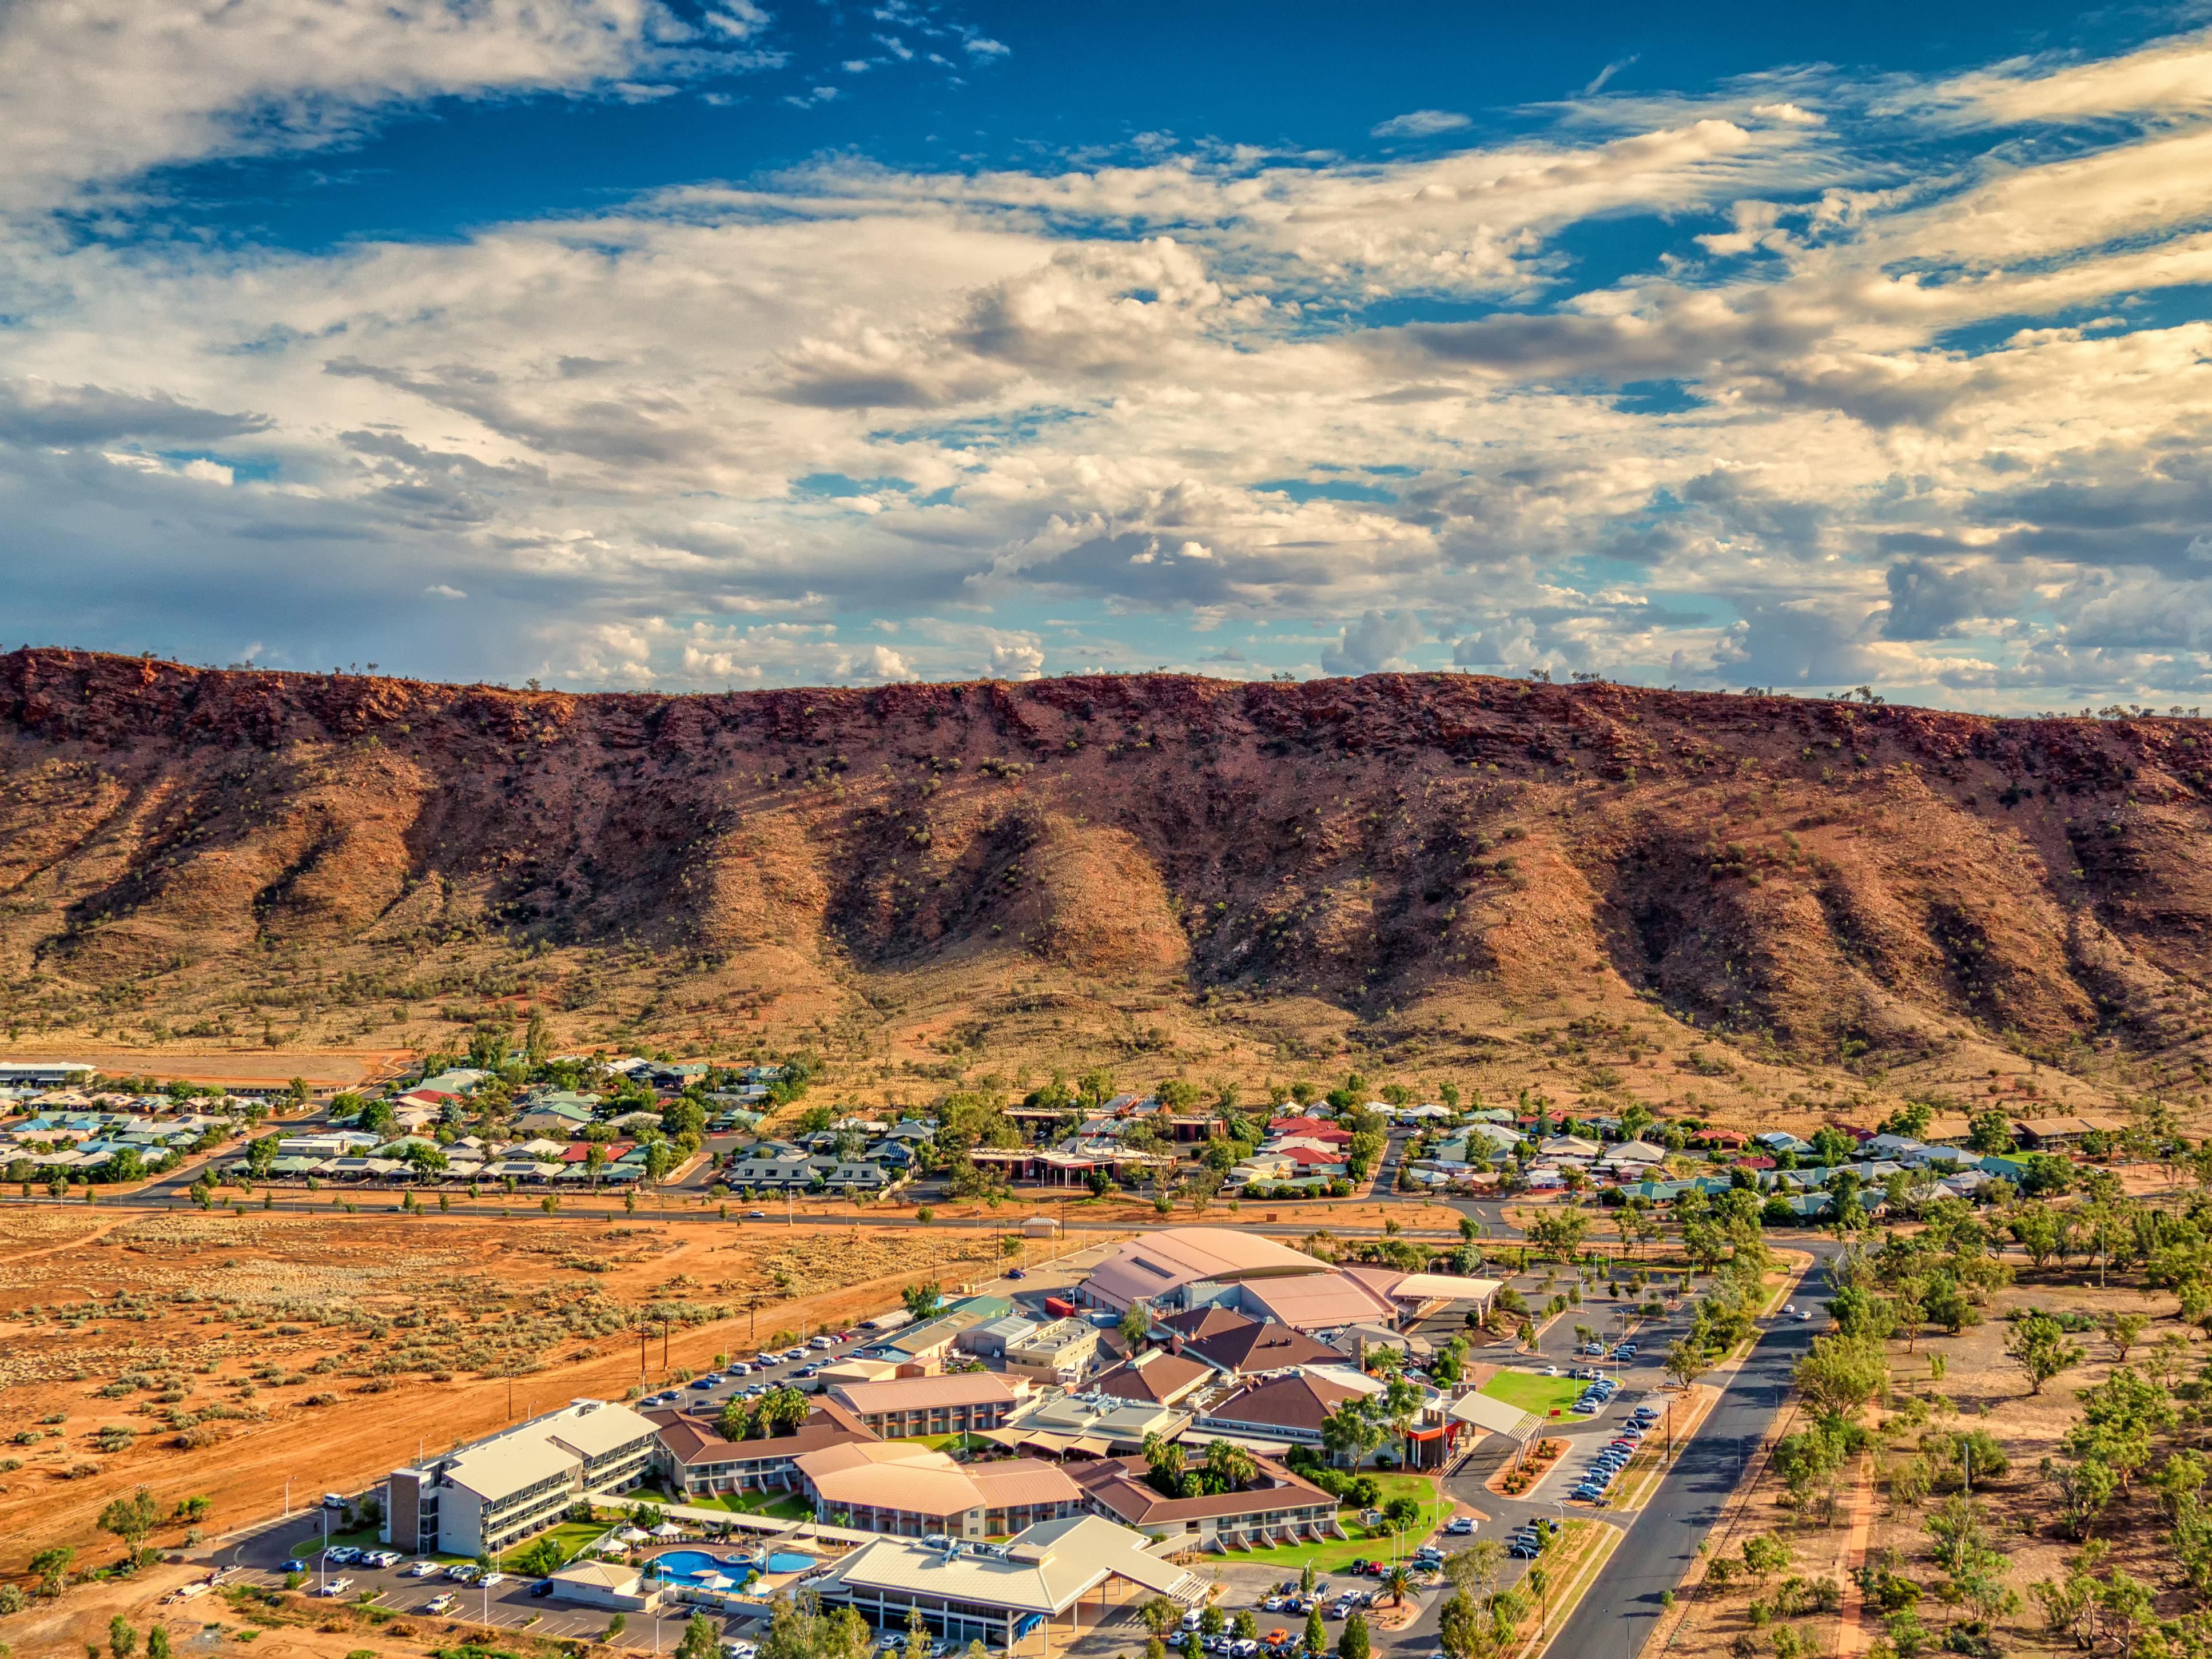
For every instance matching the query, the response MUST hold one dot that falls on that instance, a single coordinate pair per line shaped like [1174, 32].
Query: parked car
[490, 1579]
[704, 1381]
[425, 1568]
[542, 1587]
[740, 1369]
[821, 1342]
[335, 1587]
[295, 1565]
[439, 1603]
[341, 1555]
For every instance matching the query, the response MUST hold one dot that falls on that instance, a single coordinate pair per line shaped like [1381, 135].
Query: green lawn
[777, 1506]
[1532, 1391]
[945, 1443]
[1338, 1553]
[570, 1536]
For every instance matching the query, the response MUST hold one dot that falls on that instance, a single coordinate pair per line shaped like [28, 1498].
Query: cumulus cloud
[1379, 639]
[1932, 434]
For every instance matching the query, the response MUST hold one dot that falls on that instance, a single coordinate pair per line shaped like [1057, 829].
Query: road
[1617, 1616]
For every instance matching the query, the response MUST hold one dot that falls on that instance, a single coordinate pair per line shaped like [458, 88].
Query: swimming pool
[689, 1563]
[697, 1564]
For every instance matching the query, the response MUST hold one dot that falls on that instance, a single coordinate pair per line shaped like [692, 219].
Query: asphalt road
[1616, 1618]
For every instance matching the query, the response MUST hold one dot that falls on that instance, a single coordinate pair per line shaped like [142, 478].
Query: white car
[381, 1558]
[1802, 1313]
[440, 1603]
[739, 1370]
[424, 1569]
[740, 1651]
[490, 1580]
[336, 1587]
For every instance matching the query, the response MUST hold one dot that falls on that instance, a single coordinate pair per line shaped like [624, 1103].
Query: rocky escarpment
[1842, 877]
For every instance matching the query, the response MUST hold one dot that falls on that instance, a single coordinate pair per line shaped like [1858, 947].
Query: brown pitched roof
[1162, 1378]
[1118, 1484]
[1193, 1323]
[1300, 1402]
[1252, 1346]
[695, 1439]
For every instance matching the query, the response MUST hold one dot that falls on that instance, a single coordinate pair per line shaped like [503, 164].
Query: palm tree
[1397, 1581]
[1232, 1465]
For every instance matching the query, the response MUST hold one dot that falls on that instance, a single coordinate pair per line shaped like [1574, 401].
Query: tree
[1230, 1465]
[2040, 1345]
[1352, 1642]
[922, 1301]
[1560, 1231]
[130, 1518]
[157, 1644]
[1397, 1581]
[1317, 1641]
[701, 1639]
[1763, 1557]
[1686, 1361]
[799, 1629]
[2126, 1330]
[1841, 1374]
[917, 1632]
[1159, 1615]
[50, 1568]
[122, 1639]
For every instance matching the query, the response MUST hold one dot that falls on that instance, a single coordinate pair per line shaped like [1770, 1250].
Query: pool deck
[728, 1521]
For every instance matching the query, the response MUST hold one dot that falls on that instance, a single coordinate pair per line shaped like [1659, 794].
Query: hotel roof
[1043, 1570]
[909, 1393]
[1155, 1263]
[1118, 1483]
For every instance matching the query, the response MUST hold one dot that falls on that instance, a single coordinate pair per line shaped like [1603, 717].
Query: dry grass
[236, 1350]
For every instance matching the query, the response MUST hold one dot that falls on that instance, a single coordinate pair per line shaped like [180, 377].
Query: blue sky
[615, 342]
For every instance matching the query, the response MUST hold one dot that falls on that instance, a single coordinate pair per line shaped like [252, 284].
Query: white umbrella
[668, 1529]
[716, 1581]
[631, 1536]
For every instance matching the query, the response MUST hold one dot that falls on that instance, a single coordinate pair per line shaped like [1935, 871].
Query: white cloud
[97, 90]
[1379, 639]
[1597, 82]
[1067, 388]
[1419, 123]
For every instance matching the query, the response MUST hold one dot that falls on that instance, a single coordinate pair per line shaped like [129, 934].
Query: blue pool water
[689, 1563]
[697, 1564]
